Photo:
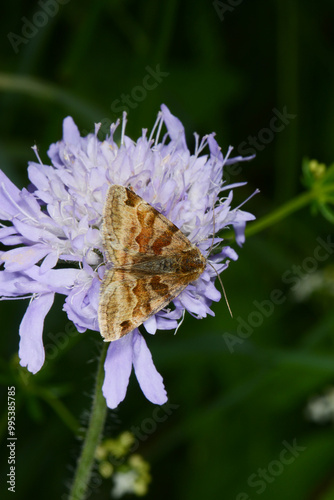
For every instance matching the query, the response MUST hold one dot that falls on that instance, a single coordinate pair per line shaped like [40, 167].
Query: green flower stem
[93, 435]
[288, 208]
[280, 213]
[320, 193]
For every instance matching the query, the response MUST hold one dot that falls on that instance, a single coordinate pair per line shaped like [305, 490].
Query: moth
[153, 261]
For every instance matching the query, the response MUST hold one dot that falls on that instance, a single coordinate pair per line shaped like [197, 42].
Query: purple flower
[58, 221]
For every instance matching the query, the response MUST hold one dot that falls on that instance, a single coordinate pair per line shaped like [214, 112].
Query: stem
[94, 431]
[281, 212]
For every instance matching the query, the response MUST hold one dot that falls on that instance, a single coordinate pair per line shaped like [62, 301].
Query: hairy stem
[93, 436]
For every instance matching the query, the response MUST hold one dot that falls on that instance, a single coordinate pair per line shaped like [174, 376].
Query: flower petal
[166, 324]
[239, 229]
[192, 303]
[150, 381]
[9, 197]
[22, 258]
[31, 350]
[71, 132]
[58, 280]
[49, 262]
[16, 284]
[150, 325]
[117, 367]
[174, 127]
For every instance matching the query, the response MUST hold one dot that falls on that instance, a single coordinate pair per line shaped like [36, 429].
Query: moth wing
[134, 231]
[127, 299]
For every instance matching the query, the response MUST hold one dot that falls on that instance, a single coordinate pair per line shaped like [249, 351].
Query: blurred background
[251, 405]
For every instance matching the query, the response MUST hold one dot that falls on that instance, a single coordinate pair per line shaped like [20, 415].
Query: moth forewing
[153, 262]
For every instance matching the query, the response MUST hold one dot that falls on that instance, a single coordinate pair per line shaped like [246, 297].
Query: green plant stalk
[280, 213]
[288, 208]
[93, 435]
[283, 211]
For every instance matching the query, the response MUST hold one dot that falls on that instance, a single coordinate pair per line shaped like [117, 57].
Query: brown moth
[153, 261]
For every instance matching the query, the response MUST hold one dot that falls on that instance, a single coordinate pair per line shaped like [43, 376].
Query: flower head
[58, 220]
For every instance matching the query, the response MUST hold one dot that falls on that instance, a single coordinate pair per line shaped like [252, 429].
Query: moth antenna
[221, 284]
[214, 229]
[210, 250]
